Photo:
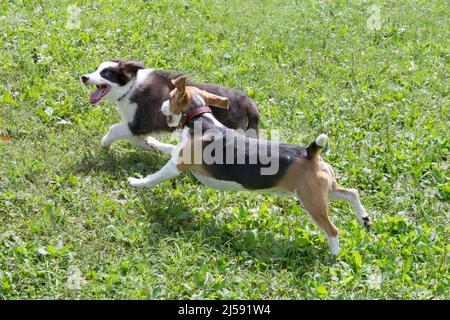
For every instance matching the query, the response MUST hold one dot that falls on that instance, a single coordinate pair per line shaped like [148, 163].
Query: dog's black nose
[84, 79]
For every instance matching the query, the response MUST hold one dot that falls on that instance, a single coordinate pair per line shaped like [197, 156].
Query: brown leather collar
[192, 114]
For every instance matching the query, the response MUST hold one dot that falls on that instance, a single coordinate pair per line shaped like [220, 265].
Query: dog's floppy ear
[216, 101]
[180, 84]
[131, 67]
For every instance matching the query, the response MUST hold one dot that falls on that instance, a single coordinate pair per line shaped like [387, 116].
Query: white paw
[334, 245]
[137, 183]
[366, 221]
[105, 142]
[151, 145]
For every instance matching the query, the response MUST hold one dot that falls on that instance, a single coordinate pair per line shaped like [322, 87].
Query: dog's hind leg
[315, 201]
[167, 172]
[253, 121]
[351, 195]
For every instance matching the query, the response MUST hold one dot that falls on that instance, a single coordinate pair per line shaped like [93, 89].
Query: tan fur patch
[306, 179]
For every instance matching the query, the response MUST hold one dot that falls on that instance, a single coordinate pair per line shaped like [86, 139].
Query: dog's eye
[107, 73]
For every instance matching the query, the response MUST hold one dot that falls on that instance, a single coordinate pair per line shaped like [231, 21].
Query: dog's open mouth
[169, 119]
[97, 95]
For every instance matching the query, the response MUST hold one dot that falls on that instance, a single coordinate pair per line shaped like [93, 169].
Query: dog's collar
[192, 114]
[128, 91]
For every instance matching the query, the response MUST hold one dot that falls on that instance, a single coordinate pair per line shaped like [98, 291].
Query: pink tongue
[97, 95]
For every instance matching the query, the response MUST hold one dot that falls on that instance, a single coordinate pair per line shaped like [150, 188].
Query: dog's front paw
[152, 142]
[105, 142]
[367, 222]
[150, 146]
[137, 183]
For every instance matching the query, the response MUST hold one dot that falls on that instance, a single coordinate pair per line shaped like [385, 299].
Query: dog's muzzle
[172, 120]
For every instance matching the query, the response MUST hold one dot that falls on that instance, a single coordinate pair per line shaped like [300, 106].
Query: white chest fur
[125, 107]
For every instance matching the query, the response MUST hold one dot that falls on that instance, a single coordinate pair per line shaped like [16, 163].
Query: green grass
[71, 227]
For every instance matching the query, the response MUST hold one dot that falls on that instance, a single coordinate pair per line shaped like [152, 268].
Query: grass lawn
[71, 226]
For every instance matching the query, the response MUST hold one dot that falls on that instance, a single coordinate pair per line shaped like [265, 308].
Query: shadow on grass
[176, 218]
[171, 215]
[120, 162]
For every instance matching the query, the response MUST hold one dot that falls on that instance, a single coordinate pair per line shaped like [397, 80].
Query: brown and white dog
[138, 93]
[222, 158]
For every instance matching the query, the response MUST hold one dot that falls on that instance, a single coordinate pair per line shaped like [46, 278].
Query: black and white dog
[138, 94]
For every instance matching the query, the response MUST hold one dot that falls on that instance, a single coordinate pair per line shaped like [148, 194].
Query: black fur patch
[242, 113]
[248, 174]
[149, 97]
[151, 94]
[114, 75]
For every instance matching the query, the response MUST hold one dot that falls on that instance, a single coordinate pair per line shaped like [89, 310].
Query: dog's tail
[314, 148]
